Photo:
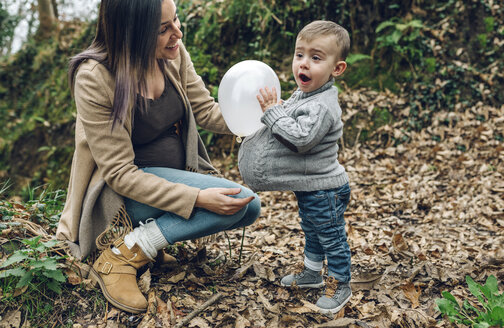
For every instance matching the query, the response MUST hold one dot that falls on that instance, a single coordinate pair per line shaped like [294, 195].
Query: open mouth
[171, 47]
[304, 78]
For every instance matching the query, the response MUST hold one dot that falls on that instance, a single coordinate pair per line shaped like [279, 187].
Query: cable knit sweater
[297, 148]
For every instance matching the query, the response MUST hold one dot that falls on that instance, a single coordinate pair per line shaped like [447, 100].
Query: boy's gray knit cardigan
[297, 150]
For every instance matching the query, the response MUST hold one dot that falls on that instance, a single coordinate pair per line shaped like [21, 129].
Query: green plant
[430, 64]
[33, 267]
[241, 246]
[207, 136]
[482, 40]
[488, 313]
[489, 24]
[354, 58]
[4, 186]
[47, 207]
[401, 40]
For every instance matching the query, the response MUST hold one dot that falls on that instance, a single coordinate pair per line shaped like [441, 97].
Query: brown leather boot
[116, 275]
[163, 258]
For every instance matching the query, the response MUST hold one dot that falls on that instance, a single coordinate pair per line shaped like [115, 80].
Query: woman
[138, 100]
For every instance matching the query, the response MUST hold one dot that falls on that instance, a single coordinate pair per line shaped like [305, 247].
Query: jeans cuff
[339, 277]
[314, 257]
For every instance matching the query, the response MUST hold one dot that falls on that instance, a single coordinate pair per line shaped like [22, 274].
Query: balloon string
[238, 139]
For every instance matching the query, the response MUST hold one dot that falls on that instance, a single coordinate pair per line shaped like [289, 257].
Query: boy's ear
[339, 68]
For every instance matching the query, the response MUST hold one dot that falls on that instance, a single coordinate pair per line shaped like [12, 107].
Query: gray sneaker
[306, 278]
[337, 295]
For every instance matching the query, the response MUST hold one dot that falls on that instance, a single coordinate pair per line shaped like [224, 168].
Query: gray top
[297, 150]
[154, 137]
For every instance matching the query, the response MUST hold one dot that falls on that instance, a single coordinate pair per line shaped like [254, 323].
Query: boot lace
[331, 286]
[299, 269]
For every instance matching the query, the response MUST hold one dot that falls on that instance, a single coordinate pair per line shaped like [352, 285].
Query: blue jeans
[323, 224]
[202, 222]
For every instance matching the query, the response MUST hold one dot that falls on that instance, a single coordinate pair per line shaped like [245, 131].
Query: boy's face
[315, 61]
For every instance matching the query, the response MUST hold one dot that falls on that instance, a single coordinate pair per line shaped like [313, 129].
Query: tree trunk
[47, 19]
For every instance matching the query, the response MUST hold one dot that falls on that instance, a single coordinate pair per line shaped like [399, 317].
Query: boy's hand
[267, 98]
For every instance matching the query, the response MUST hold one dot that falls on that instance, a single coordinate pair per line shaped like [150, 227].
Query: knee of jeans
[254, 207]
[249, 213]
[246, 192]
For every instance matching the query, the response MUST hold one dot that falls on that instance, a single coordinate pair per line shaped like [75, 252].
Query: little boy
[297, 150]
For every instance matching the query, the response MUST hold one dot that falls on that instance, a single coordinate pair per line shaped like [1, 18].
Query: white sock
[313, 265]
[148, 237]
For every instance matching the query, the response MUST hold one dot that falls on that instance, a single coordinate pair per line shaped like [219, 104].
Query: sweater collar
[323, 88]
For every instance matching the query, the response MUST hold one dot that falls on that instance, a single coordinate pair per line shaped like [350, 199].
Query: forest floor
[422, 216]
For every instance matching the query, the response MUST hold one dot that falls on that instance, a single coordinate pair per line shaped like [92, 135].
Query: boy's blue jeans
[202, 222]
[323, 224]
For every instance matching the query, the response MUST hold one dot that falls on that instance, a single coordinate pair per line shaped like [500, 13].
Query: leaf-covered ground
[423, 215]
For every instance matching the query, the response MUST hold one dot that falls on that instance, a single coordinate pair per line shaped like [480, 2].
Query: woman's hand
[217, 201]
[267, 98]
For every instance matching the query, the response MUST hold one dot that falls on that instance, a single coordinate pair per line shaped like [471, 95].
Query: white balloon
[237, 95]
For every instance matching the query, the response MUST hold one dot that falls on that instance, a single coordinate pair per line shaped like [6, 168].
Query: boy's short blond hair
[322, 28]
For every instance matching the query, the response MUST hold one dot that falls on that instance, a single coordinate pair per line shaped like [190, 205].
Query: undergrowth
[487, 311]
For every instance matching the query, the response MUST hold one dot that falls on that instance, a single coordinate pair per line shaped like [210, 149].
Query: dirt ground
[422, 216]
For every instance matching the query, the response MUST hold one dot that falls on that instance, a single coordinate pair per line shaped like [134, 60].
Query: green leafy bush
[488, 313]
[403, 42]
[33, 267]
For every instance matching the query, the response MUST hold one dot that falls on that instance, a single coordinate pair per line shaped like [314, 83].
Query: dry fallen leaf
[241, 322]
[176, 278]
[337, 323]
[267, 304]
[112, 314]
[399, 243]
[307, 307]
[365, 281]
[145, 281]
[240, 273]
[412, 293]
[198, 322]
[152, 303]
[163, 313]
[11, 319]
[72, 277]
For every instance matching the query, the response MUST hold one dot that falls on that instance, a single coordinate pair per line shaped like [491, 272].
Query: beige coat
[102, 167]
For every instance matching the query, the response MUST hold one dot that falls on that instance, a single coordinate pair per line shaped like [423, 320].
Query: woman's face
[169, 32]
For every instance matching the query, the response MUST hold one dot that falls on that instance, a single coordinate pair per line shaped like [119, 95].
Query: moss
[381, 117]
[430, 64]
[489, 24]
[482, 40]
[363, 126]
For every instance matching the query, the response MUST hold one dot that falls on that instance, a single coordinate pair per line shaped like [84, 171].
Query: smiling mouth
[304, 78]
[171, 47]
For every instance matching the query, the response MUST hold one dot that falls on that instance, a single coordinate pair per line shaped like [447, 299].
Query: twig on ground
[197, 311]
[173, 320]
[415, 271]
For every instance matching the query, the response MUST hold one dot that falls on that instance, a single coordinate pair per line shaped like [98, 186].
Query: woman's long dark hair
[125, 42]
